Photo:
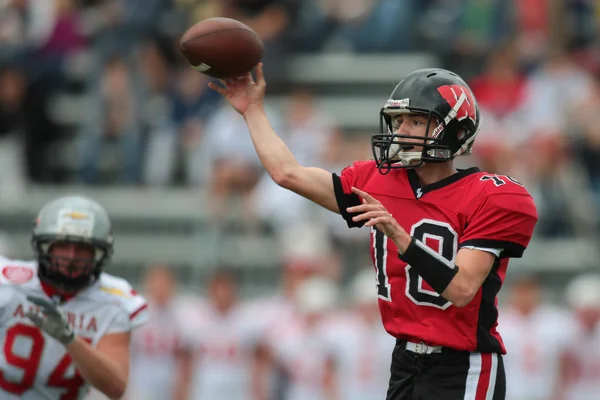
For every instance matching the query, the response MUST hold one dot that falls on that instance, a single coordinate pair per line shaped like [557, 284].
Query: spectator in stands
[501, 92]
[585, 121]
[12, 126]
[536, 22]
[178, 142]
[114, 130]
[554, 90]
[361, 26]
[119, 26]
[161, 137]
[38, 36]
[463, 31]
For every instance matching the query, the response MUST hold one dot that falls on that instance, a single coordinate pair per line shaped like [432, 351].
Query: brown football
[221, 47]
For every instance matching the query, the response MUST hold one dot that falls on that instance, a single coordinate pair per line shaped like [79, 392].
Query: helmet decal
[402, 103]
[461, 101]
[75, 223]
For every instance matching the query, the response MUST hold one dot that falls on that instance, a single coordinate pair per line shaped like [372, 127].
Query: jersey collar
[55, 293]
[419, 191]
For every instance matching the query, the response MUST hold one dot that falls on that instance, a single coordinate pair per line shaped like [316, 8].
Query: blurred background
[95, 98]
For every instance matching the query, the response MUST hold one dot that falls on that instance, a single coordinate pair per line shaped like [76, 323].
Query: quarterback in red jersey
[441, 237]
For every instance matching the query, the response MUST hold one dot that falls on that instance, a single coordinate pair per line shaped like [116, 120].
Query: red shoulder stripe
[139, 310]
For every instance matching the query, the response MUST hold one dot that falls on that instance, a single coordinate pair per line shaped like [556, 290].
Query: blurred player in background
[155, 346]
[441, 237]
[306, 251]
[298, 344]
[362, 353]
[64, 323]
[221, 346]
[580, 366]
[535, 335]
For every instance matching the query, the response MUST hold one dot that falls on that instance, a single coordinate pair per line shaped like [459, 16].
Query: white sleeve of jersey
[495, 252]
[134, 309]
[13, 273]
[16, 272]
[6, 293]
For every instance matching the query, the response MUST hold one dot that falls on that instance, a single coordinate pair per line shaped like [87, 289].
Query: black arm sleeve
[344, 201]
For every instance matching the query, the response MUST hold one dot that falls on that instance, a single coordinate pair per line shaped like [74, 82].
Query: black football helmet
[447, 101]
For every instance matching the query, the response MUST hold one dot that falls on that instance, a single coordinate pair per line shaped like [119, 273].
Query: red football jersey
[469, 208]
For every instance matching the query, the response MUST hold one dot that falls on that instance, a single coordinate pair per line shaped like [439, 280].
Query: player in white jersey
[221, 341]
[535, 335]
[361, 346]
[64, 324]
[580, 377]
[267, 313]
[299, 344]
[156, 345]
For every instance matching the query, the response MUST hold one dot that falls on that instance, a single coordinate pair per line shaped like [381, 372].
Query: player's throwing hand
[51, 319]
[376, 214]
[243, 92]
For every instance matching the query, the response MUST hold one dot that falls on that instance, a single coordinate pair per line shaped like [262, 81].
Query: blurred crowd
[96, 92]
[310, 340]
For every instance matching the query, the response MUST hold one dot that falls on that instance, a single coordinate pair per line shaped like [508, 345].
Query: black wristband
[432, 267]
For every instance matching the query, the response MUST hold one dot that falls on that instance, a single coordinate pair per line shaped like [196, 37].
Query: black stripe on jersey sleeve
[509, 249]
[344, 201]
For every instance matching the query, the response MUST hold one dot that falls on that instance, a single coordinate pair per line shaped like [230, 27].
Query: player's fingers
[378, 221]
[362, 208]
[38, 301]
[372, 222]
[260, 76]
[217, 88]
[371, 214]
[47, 307]
[363, 216]
[366, 196]
[35, 317]
[366, 207]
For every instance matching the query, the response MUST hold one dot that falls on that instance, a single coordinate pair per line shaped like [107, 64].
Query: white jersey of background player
[299, 344]
[221, 346]
[155, 347]
[580, 372]
[61, 312]
[361, 346]
[534, 334]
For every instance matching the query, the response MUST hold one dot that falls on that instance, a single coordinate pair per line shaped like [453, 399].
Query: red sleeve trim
[139, 310]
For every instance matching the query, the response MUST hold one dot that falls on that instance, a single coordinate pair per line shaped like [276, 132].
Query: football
[221, 47]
